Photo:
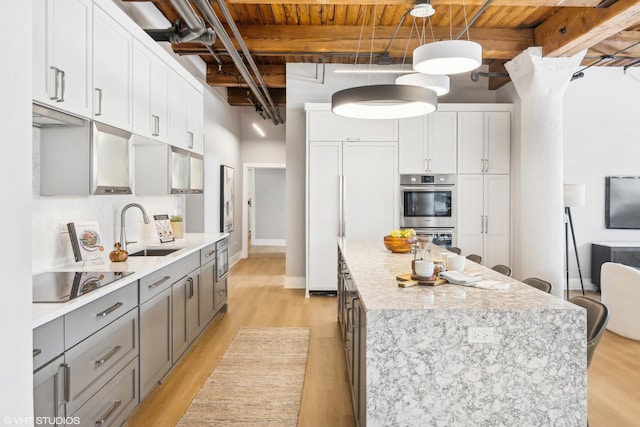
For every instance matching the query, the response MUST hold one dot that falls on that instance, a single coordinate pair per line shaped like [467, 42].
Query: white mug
[456, 262]
[424, 268]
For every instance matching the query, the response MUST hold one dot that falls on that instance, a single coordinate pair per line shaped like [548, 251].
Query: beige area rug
[258, 381]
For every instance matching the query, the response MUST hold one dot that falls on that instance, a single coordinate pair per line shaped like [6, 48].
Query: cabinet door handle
[56, 72]
[221, 292]
[156, 125]
[486, 224]
[481, 165]
[190, 139]
[190, 280]
[109, 310]
[107, 414]
[340, 207]
[107, 356]
[486, 165]
[36, 352]
[481, 224]
[62, 86]
[67, 382]
[99, 113]
[158, 283]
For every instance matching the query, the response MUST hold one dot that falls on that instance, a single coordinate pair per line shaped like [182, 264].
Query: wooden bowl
[398, 245]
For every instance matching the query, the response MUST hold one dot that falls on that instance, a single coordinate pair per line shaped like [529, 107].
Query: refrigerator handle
[344, 206]
[340, 207]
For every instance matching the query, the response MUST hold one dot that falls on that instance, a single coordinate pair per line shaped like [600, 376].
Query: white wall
[268, 207]
[311, 83]
[221, 147]
[602, 138]
[16, 391]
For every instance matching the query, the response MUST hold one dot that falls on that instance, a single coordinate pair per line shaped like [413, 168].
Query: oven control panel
[438, 179]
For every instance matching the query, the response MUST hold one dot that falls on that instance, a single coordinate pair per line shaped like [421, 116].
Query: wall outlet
[480, 335]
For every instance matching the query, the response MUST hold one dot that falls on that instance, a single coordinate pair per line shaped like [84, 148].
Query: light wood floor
[257, 298]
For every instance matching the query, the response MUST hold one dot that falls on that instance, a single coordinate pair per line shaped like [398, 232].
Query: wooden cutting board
[424, 281]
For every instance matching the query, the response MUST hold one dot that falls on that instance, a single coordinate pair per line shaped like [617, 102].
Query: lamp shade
[574, 195]
[447, 57]
[384, 102]
[439, 83]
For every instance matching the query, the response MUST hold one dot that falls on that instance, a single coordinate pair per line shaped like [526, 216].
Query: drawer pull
[221, 292]
[36, 351]
[109, 310]
[67, 382]
[108, 356]
[158, 283]
[210, 253]
[110, 412]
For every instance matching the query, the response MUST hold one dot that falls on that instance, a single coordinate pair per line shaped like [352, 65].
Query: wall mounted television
[622, 202]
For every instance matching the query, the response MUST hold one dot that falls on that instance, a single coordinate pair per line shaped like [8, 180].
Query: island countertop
[421, 367]
[374, 270]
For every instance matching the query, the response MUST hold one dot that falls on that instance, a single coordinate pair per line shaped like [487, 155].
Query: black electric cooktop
[64, 286]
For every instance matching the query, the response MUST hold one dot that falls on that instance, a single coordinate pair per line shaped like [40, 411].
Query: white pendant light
[438, 83]
[384, 102]
[447, 57]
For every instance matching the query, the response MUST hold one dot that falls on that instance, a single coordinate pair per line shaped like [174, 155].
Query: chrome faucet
[123, 233]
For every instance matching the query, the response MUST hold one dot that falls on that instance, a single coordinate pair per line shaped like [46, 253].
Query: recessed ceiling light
[258, 129]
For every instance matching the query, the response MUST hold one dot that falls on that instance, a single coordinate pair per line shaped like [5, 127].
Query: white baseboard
[574, 284]
[269, 242]
[295, 282]
[233, 260]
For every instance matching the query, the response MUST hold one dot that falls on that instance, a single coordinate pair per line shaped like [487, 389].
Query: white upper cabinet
[428, 143]
[441, 142]
[112, 70]
[150, 94]
[186, 115]
[484, 140]
[62, 52]
[195, 120]
[327, 126]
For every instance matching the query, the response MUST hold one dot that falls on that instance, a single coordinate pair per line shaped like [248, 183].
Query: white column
[538, 210]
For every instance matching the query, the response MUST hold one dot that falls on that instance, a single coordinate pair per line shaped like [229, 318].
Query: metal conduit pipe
[207, 11]
[176, 36]
[473, 19]
[234, 29]
[188, 15]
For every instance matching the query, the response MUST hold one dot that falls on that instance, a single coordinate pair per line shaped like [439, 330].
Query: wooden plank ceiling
[340, 31]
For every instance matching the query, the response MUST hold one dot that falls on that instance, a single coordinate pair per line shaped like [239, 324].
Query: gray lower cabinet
[220, 294]
[185, 313]
[113, 404]
[155, 341]
[48, 390]
[352, 317]
[207, 280]
[97, 359]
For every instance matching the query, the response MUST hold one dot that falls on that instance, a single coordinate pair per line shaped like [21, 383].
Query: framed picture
[227, 196]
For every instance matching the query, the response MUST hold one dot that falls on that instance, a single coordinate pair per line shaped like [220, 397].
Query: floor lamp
[574, 197]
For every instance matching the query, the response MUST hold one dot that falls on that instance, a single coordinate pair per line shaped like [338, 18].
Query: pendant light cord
[373, 32]
[355, 63]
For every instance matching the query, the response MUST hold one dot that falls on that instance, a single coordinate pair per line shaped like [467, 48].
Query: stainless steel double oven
[428, 205]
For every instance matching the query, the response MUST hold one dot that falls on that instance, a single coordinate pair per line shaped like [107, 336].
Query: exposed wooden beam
[310, 40]
[497, 82]
[570, 31]
[275, 76]
[512, 3]
[237, 96]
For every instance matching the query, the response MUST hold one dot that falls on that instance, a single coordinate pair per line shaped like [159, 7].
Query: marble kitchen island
[411, 362]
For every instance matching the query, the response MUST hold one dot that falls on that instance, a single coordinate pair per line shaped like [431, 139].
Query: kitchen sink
[154, 252]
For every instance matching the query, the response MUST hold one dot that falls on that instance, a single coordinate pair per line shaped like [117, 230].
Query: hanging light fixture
[386, 101]
[448, 56]
[438, 83]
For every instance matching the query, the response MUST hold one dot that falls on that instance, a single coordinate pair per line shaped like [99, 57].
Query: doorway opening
[263, 210]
